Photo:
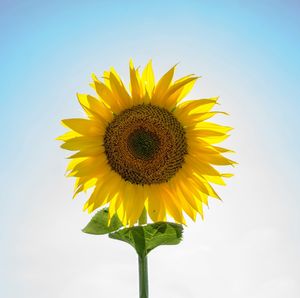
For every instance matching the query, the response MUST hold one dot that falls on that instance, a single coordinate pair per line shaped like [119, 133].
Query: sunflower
[145, 148]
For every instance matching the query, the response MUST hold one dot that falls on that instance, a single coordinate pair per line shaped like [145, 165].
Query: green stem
[143, 263]
[143, 276]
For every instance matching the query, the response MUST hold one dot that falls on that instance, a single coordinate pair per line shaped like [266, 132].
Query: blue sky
[247, 52]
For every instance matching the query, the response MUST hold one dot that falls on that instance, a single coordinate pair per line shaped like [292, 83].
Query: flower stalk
[143, 276]
[143, 264]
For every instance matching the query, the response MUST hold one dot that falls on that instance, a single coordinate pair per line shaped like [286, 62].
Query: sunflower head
[143, 147]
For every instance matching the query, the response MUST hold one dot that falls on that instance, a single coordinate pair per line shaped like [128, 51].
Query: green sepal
[147, 237]
[98, 225]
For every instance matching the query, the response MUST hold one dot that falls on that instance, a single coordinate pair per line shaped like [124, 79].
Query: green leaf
[99, 223]
[147, 237]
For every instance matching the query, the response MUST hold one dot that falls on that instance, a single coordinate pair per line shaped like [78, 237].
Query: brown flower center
[145, 144]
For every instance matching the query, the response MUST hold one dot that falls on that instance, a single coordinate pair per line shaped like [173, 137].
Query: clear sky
[247, 52]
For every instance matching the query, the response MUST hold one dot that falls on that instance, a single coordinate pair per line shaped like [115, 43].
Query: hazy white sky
[248, 246]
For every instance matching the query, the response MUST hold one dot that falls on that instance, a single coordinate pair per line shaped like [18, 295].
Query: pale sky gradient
[247, 52]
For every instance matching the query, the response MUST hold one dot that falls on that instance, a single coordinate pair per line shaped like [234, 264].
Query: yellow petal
[107, 96]
[195, 106]
[96, 199]
[156, 209]
[174, 93]
[148, 78]
[215, 179]
[74, 162]
[216, 159]
[188, 195]
[227, 175]
[209, 126]
[186, 90]
[193, 119]
[84, 126]
[90, 166]
[136, 88]
[94, 108]
[117, 201]
[205, 187]
[172, 205]
[68, 135]
[82, 143]
[162, 87]
[138, 203]
[222, 150]
[119, 90]
[200, 166]
[89, 151]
